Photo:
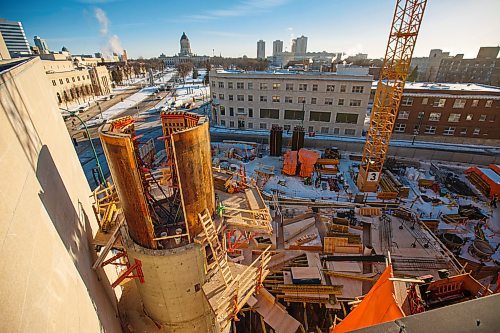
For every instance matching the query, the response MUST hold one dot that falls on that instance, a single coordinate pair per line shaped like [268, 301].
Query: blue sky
[232, 28]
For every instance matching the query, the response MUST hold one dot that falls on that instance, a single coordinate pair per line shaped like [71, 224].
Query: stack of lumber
[390, 183]
[341, 245]
[454, 218]
[220, 180]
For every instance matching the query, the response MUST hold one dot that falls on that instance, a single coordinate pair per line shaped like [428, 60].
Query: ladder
[213, 240]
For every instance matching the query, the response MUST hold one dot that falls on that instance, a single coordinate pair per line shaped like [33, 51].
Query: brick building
[455, 113]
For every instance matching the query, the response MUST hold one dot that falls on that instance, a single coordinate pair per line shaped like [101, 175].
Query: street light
[73, 114]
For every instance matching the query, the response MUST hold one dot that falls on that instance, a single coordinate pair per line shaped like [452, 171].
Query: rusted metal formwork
[187, 141]
[118, 145]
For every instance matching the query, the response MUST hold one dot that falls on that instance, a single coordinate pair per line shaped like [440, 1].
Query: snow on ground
[120, 107]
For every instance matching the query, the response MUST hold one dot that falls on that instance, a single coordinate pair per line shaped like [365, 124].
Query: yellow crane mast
[402, 38]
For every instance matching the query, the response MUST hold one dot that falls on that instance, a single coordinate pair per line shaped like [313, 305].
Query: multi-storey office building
[444, 112]
[14, 38]
[326, 103]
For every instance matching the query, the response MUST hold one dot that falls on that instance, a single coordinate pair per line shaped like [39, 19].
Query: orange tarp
[378, 306]
[290, 163]
[307, 159]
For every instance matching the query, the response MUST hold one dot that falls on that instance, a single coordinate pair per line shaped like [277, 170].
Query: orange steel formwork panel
[120, 154]
[402, 38]
[193, 162]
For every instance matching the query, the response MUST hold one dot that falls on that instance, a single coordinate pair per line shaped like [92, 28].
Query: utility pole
[101, 174]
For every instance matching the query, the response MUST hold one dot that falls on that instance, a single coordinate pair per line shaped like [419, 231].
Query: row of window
[289, 99]
[54, 83]
[290, 87]
[323, 130]
[340, 117]
[450, 130]
[452, 118]
[440, 102]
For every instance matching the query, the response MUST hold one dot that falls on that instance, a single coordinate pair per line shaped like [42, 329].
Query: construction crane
[402, 38]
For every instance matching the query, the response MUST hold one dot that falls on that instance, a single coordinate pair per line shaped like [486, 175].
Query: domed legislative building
[185, 55]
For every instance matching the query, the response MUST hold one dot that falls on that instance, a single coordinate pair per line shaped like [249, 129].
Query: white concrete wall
[46, 219]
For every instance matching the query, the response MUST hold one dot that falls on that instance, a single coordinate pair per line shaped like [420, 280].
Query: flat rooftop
[442, 87]
[345, 72]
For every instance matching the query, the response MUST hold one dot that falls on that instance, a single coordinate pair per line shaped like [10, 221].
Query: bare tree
[183, 69]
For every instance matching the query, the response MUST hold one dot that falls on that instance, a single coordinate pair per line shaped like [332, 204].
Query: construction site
[237, 236]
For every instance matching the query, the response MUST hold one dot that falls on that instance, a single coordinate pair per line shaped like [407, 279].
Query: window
[355, 102]
[469, 116]
[493, 117]
[320, 116]
[250, 85]
[250, 113]
[341, 101]
[294, 114]
[270, 113]
[263, 98]
[399, 128]
[358, 89]
[241, 123]
[454, 117]
[276, 99]
[221, 84]
[439, 102]
[302, 87]
[250, 98]
[239, 85]
[287, 127]
[289, 86]
[223, 123]
[222, 110]
[425, 100]
[449, 131]
[67, 80]
[54, 82]
[315, 87]
[76, 77]
[263, 86]
[488, 104]
[230, 97]
[301, 100]
[336, 130]
[407, 101]
[213, 84]
[221, 96]
[328, 101]
[476, 131]
[430, 130]
[403, 114]
[346, 118]
[263, 126]
[240, 110]
[230, 86]
[288, 99]
[61, 81]
[313, 100]
[475, 102]
[231, 124]
[459, 103]
[482, 117]
[250, 125]
[73, 79]
[240, 98]
[463, 131]
[330, 87]
[231, 112]
[323, 130]
[350, 131]
[343, 88]
[435, 116]
[276, 86]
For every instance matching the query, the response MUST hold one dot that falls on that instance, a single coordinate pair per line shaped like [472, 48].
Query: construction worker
[493, 202]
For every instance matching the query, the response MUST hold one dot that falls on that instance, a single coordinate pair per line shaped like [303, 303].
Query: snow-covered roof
[345, 72]
[442, 87]
[491, 174]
